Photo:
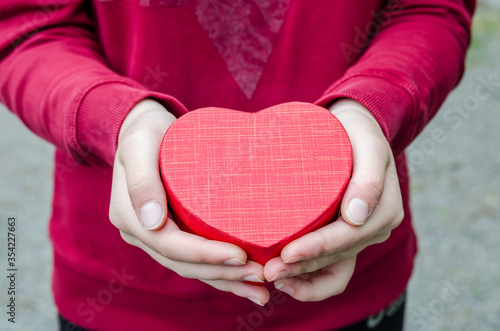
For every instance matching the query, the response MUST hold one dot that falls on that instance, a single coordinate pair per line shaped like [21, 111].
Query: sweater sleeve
[414, 59]
[55, 79]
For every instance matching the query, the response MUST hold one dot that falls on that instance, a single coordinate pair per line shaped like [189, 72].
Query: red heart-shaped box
[258, 180]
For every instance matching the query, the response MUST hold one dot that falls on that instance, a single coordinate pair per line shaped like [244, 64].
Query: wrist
[353, 114]
[146, 110]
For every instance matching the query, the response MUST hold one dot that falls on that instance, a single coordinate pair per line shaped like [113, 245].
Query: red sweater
[72, 70]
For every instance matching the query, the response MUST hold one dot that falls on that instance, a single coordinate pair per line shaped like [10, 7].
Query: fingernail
[151, 215]
[252, 278]
[283, 287]
[357, 212]
[256, 301]
[295, 259]
[279, 275]
[233, 261]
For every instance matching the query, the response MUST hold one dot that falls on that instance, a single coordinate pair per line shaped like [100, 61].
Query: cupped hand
[138, 208]
[320, 264]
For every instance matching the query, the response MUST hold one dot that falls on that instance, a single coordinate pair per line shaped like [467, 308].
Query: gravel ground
[455, 167]
[456, 198]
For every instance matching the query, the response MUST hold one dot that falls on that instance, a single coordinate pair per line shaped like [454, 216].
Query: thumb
[370, 161]
[371, 156]
[141, 163]
[138, 150]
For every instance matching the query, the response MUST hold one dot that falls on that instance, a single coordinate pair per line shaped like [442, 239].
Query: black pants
[390, 319]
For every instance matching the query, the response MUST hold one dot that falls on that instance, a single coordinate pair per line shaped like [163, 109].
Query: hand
[138, 208]
[320, 264]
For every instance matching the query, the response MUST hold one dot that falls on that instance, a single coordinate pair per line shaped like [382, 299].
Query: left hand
[320, 264]
[138, 208]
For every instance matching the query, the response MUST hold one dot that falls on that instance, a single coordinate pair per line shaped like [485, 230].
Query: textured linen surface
[259, 179]
[72, 70]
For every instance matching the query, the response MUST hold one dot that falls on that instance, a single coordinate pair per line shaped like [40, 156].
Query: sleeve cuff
[391, 104]
[101, 113]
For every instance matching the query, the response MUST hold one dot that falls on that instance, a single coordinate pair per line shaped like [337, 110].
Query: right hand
[320, 264]
[138, 208]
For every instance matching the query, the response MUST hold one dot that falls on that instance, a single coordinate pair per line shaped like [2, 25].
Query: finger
[371, 156]
[370, 161]
[276, 269]
[331, 281]
[250, 272]
[140, 159]
[169, 241]
[177, 245]
[257, 294]
[332, 238]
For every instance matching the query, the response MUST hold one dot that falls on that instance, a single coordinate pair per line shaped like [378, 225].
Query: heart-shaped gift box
[258, 180]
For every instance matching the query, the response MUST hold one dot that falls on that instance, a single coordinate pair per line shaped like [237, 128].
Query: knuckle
[338, 257]
[396, 221]
[204, 252]
[383, 237]
[400, 216]
[308, 266]
[164, 250]
[352, 240]
[310, 297]
[323, 243]
[375, 185]
[112, 214]
[127, 238]
[204, 259]
[115, 216]
[226, 276]
[305, 296]
[340, 289]
[126, 144]
[140, 185]
[117, 222]
[130, 140]
[303, 268]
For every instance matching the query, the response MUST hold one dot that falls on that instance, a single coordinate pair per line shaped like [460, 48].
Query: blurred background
[455, 170]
